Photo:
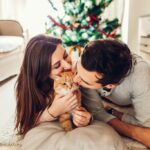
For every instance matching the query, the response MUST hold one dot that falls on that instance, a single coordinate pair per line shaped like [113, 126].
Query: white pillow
[10, 43]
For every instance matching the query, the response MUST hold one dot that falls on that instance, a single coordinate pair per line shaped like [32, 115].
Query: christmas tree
[83, 22]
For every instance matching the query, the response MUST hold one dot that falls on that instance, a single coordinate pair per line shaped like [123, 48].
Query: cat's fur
[63, 84]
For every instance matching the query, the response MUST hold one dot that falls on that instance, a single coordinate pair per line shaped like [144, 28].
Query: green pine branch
[77, 27]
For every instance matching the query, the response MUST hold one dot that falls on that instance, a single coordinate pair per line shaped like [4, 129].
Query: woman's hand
[62, 104]
[81, 117]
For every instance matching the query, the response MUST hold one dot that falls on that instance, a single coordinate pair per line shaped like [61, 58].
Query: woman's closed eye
[56, 66]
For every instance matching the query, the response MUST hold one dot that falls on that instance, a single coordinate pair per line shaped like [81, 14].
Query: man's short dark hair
[111, 58]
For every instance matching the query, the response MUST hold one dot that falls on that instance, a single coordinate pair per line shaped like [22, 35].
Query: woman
[44, 59]
[37, 108]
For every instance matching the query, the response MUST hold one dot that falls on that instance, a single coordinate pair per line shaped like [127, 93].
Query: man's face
[86, 78]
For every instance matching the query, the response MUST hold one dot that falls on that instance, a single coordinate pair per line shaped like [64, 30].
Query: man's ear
[110, 86]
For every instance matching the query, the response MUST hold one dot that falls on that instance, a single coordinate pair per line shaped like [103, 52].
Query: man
[108, 69]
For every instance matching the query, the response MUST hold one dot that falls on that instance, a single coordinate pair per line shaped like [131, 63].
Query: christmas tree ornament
[83, 22]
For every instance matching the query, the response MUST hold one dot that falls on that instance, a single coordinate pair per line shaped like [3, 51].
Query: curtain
[32, 14]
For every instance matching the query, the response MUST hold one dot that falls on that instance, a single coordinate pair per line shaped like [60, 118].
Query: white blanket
[50, 136]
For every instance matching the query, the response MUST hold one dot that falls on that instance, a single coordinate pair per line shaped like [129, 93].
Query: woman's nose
[66, 65]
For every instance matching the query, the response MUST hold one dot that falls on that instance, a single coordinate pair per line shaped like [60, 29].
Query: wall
[0, 9]
[32, 14]
[136, 8]
[119, 9]
[7, 9]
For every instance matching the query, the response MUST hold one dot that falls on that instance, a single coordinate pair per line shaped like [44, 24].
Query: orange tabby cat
[64, 84]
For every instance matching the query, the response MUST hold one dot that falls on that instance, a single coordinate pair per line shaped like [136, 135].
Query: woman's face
[59, 63]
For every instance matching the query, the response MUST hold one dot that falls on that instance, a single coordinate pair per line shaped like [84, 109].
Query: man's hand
[117, 114]
[141, 134]
[81, 117]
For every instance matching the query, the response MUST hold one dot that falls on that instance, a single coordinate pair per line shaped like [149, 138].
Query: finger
[73, 106]
[78, 107]
[80, 119]
[68, 96]
[81, 108]
[72, 100]
[58, 96]
[74, 96]
[73, 112]
[75, 123]
[82, 113]
[79, 124]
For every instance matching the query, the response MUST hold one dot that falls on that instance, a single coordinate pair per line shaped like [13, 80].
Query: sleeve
[140, 96]
[93, 103]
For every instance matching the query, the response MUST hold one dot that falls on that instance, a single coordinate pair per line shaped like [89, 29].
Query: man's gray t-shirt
[133, 90]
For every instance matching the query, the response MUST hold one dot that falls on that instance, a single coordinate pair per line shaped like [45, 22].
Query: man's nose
[66, 65]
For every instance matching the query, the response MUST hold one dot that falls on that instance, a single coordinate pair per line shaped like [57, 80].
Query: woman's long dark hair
[34, 85]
